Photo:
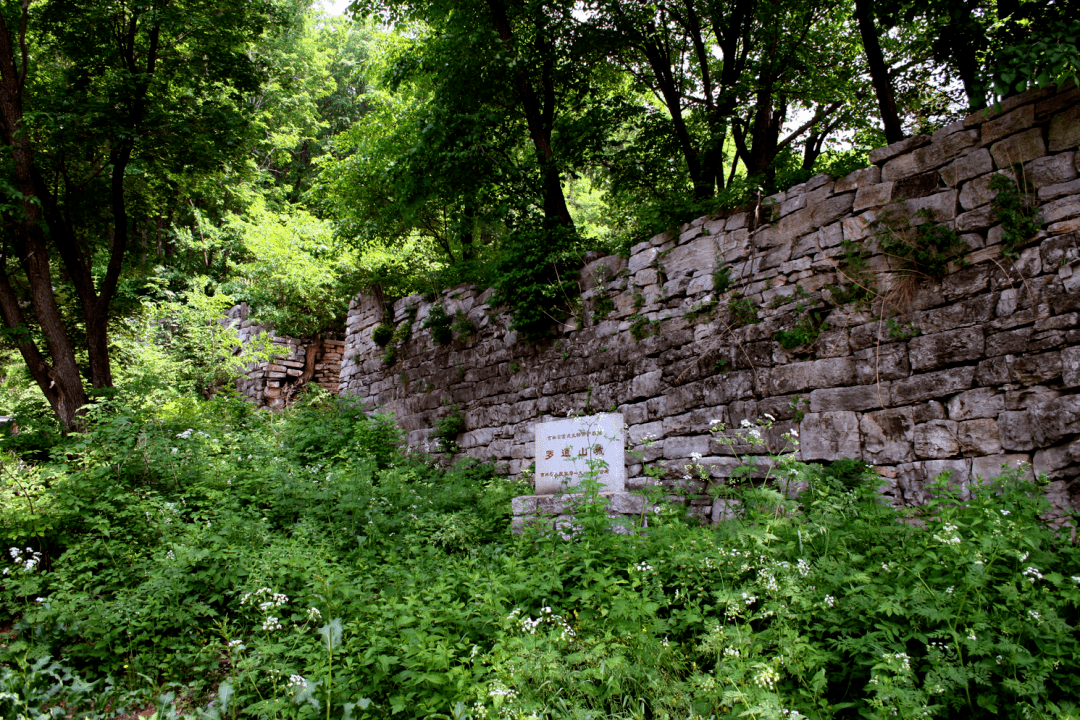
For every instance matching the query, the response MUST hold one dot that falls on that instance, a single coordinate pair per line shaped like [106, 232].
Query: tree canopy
[271, 152]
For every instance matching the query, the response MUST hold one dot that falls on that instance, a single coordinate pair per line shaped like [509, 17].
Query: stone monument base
[624, 508]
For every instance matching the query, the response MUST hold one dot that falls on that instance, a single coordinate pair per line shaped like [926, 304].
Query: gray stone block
[933, 385]
[881, 362]
[966, 167]
[927, 352]
[929, 157]
[980, 218]
[991, 467]
[880, 155]
[832, 372]
[859, 227]
[861, 397]
[917, 186]
[524, 505]
[829, 436]
[830, 210]
[1055, 420]
[790, 378]
[888, 436]
[1008, 124]
[681, 448]
[980, 402]
[870, 196]
[1051, 170]
[941, 206]
[642, 259]
[646, 385]
[858, 179]
[979, 437]
[1014, 430]
[1020, 148]
[1053, 192]
[626, 504]
[1035, 369]
[1070, 367]
[1060, 209]
[913, 479]
[1065, 129]
[936, 439]
[1049, 461]
[637, 434]
[701, 253]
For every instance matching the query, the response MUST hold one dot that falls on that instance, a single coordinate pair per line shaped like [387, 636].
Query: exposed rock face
[976, 370]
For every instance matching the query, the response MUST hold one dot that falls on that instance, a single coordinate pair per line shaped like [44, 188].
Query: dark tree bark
[311, 355]
[41, 228]
[58, 376]
[539, 108]
[879, 72]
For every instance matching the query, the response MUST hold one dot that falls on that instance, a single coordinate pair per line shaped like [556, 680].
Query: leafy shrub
[859, 284]
[448, 428]
[536, 277]
[923, 250]
[463, 326]
[201, 350]
[743, 311]
[403, 333]
[293, 564]
[640, 328]
[439, 322]
[1015, 210]
[810, 324]
[722, 278]
[383, 334]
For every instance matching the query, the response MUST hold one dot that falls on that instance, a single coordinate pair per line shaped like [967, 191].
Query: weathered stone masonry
[274, 383]
[990, 378]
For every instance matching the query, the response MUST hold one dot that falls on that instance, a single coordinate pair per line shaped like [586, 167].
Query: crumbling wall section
[275, 383]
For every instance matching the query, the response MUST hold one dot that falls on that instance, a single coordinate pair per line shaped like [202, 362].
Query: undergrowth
[212, 560]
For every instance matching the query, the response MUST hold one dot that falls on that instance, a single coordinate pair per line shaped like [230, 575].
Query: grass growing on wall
[205, 559]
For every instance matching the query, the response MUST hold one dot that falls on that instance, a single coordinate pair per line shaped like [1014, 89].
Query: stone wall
[976, 370]
[274, 384]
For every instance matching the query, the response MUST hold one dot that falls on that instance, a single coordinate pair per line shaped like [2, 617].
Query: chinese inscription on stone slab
[565, 447]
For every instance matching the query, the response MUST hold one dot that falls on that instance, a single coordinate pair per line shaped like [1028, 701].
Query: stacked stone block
[977, 370]
[274, 383]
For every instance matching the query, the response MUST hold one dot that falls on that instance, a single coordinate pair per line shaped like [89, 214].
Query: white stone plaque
[565, 450]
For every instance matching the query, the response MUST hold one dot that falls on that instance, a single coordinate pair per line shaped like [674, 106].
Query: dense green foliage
[214, 560]
[168, 544]
[289, 159]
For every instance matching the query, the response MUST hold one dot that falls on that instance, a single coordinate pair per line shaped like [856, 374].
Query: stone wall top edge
[692, 230]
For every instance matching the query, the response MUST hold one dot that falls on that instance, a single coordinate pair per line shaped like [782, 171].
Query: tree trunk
[60, 381]
[879, 72]
[539, 111]
[311, 353]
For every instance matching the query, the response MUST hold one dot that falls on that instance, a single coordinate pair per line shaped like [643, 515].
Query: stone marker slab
[565, 447]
